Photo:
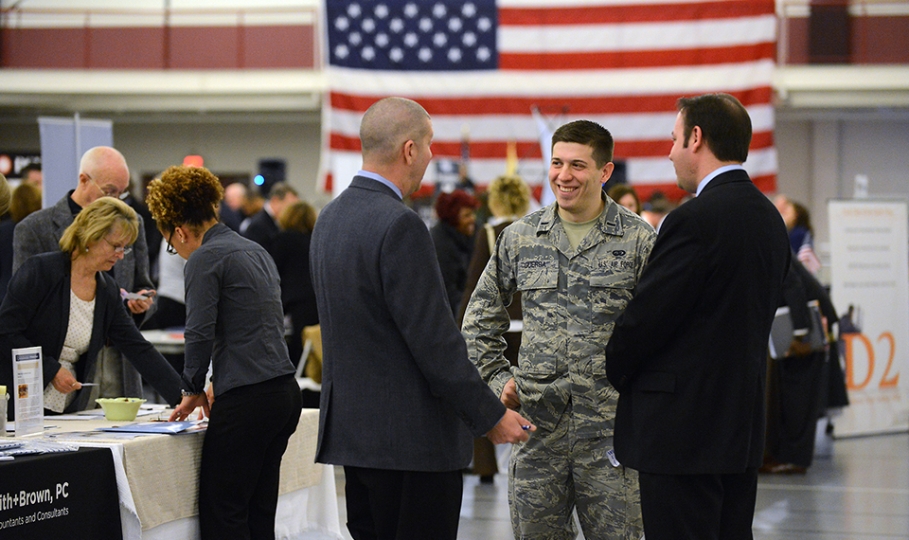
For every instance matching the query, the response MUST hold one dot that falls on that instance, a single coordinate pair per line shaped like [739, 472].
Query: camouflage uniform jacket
[571, 299]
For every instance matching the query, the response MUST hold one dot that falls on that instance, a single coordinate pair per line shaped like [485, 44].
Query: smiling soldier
[576, 263]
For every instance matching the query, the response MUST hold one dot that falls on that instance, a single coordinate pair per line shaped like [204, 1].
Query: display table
[157, 478]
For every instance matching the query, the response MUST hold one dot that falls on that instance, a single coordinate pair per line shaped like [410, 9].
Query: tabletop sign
[28, 390]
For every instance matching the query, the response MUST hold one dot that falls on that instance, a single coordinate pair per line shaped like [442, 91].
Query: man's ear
[607, 172]
[696, 140]
[408, 151]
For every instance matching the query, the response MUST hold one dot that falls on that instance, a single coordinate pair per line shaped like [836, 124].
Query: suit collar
[714, 173]
[62, 213]
[364, 182]
[734, 175]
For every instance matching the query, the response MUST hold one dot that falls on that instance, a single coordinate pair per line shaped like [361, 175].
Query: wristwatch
[187, 393]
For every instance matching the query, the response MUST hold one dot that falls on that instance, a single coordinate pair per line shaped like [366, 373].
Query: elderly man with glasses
[102, 173]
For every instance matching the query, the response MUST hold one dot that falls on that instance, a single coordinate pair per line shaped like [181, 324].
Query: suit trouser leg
[698, 506]
[242, 451]
[401, 505]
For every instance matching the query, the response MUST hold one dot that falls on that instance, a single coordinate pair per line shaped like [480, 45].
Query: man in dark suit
[263, 227]
[400, 400]
[689, 354]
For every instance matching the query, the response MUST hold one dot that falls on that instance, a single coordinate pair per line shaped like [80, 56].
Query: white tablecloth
[157, 477]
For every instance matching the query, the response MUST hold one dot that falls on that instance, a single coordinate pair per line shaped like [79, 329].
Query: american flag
[484, 66]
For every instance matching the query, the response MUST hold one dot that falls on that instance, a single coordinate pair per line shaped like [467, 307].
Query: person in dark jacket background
[453, 239]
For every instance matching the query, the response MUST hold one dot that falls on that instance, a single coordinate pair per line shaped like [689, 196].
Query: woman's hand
[65, 382]
[188, 405]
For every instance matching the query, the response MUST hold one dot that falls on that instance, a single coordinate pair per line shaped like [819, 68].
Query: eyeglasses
[109, 191]
[170, 248]
[123, 250]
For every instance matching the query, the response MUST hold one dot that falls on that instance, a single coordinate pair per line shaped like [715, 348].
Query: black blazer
[262, 229]
[398, 391]
[290, 250]
[689, 354]
[35, 312]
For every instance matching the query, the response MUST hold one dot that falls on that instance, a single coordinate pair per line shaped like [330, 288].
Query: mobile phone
[136, 296]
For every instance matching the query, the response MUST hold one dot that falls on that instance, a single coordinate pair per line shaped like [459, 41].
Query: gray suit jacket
[398, 391]
[41, 231]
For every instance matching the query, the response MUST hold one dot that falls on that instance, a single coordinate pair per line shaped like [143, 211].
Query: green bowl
[121, 408]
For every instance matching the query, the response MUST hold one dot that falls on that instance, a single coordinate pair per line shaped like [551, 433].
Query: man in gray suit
[102, 173]
[400, 400]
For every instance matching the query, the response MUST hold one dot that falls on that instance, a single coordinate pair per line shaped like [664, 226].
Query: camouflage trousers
[553, 474]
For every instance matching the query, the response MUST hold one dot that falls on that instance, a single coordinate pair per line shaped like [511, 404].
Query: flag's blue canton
[411, 35]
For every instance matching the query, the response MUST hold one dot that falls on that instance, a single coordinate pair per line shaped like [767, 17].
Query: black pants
[241, 459]
[402, 505]
[793, 410]
[698, 506]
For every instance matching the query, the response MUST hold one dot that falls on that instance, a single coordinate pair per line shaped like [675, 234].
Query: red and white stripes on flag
[621, 63]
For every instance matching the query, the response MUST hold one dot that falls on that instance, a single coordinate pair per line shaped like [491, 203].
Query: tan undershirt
[577, 231]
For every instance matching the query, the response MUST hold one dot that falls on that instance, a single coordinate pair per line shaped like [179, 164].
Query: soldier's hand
[512, 428]
[510, 395]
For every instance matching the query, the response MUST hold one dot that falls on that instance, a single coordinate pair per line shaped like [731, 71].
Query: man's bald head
[388, 124]
[102, 172]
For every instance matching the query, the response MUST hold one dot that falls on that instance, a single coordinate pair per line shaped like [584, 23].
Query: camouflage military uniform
[570, 300]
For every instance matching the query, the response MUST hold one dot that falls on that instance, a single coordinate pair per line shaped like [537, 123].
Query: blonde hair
[509, 196]
[299, 216]
[96, 221]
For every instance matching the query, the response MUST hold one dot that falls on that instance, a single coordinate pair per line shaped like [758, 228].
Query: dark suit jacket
[398, 391]
[6, 254]
[290, 250]
[262, 229]
[689, 354]
[35, 312]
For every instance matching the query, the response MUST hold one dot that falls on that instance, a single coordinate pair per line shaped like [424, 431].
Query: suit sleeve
[25, 243]
[667, 292]
[486, 319]
[407, 264]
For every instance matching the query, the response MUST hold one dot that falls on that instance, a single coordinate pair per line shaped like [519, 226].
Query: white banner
[63, 141]
[869, 252]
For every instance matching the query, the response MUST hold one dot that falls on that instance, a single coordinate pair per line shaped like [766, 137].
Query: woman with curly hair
[234, 321]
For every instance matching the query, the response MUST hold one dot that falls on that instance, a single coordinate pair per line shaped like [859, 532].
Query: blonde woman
[67, 303]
